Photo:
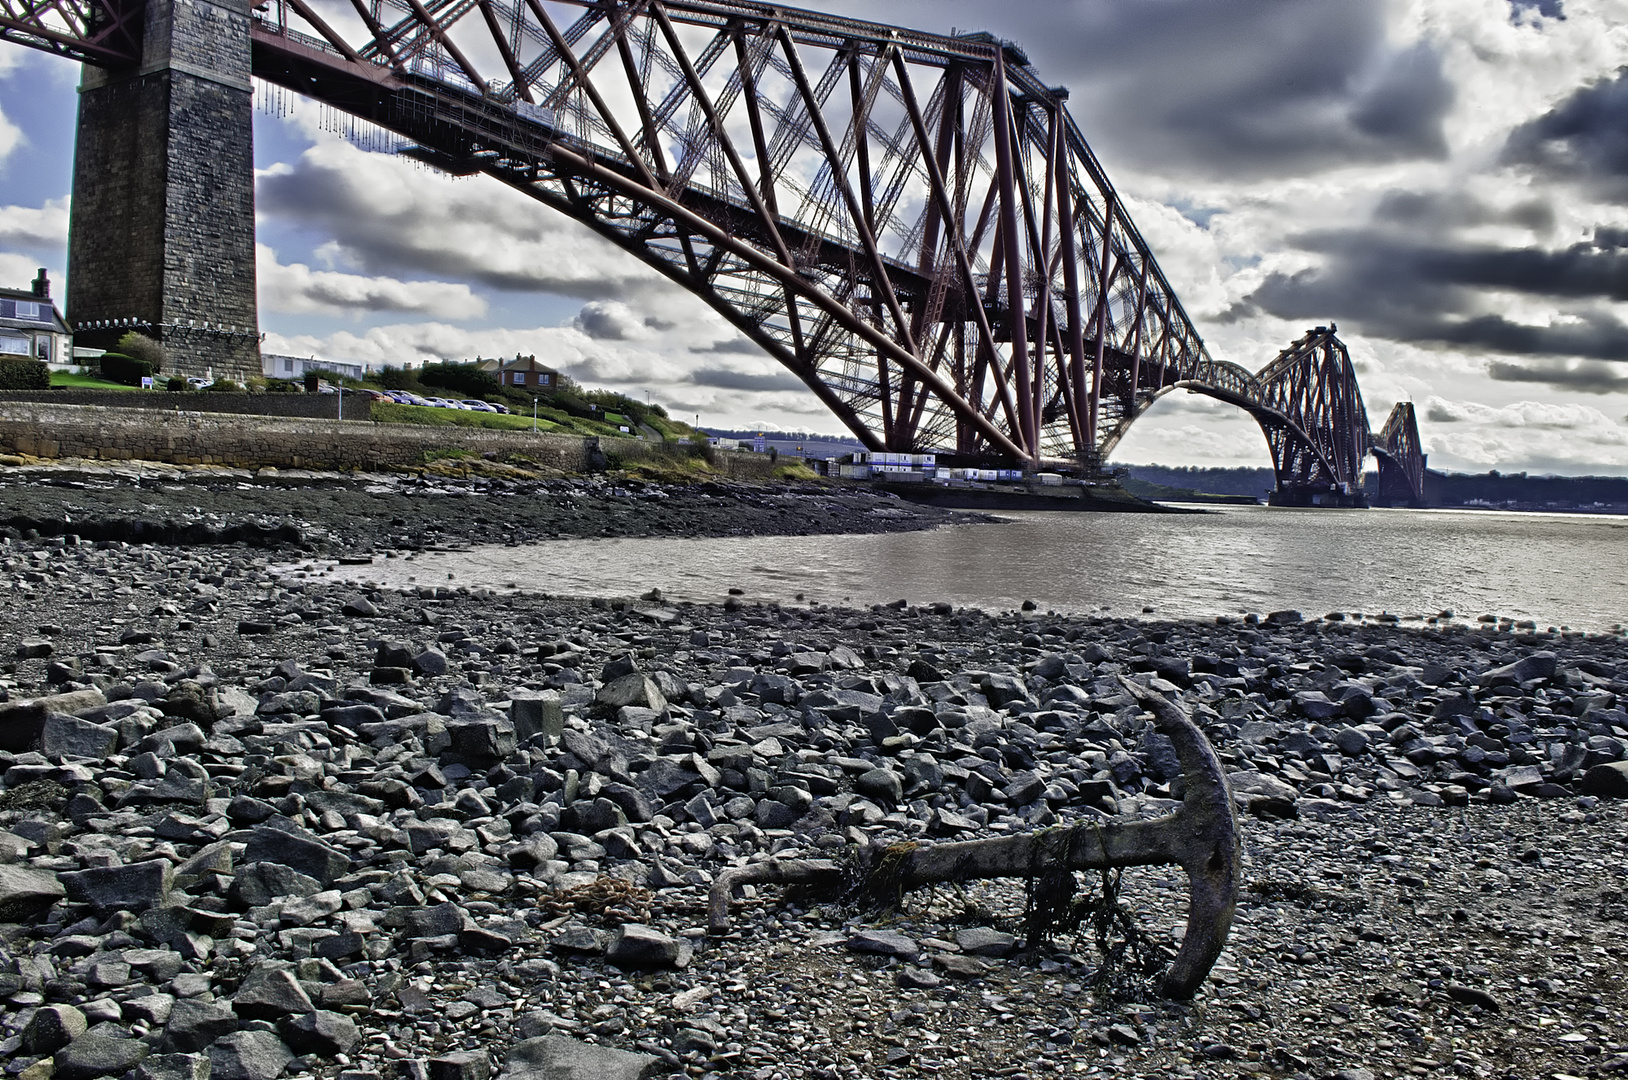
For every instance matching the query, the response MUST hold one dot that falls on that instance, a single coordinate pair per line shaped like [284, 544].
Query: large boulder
[556, 1057]
[27, 894]
[303, 853]
[133, 887]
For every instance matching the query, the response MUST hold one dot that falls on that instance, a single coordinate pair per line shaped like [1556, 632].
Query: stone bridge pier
[161, 232]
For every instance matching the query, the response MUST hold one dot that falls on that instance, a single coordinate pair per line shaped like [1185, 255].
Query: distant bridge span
[909, 222]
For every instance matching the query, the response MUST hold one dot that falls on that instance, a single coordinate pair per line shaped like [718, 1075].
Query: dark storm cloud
[728, 379]
[1585, 137]
[1590, 376]
[1437, 414]
[1520, 10]
[739, 345]
[1384, 283]
[605, 322]
[1245, 88]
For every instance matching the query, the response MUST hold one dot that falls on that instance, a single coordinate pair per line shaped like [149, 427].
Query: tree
[141, 347]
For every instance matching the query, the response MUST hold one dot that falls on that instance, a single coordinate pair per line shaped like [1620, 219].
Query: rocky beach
[256, 823]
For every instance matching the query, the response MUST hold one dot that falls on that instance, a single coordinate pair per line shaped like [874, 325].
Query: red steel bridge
[910, 222]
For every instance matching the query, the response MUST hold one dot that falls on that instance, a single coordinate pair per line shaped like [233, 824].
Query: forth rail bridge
[910, 222]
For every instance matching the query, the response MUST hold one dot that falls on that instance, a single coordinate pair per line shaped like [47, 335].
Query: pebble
[261, 851]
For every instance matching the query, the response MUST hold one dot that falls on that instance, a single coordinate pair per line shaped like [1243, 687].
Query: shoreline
[359, 513]
[480, 794]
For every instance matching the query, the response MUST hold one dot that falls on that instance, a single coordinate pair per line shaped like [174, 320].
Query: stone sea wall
[196, 438]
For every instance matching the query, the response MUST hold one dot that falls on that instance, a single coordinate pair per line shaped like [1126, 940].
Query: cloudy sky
[1445, 179]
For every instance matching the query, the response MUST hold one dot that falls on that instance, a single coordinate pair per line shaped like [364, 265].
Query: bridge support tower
[161, 234]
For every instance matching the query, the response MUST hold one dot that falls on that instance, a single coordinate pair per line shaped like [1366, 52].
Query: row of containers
[869, 465]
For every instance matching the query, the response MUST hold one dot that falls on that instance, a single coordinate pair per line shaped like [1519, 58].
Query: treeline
[1205, 480]
[1498, 489]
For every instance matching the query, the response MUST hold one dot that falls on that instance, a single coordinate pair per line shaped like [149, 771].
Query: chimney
[42, 286]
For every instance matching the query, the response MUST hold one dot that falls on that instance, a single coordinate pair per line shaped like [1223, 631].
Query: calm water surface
[1559, 569]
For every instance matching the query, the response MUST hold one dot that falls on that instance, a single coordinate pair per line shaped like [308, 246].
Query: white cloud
[1566, 437]
[34, 226]
[298, 289]
[387, 214]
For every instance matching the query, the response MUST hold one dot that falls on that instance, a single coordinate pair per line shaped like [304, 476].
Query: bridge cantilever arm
[787, 275]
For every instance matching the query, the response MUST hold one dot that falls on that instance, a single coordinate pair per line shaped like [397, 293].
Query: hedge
[125, 369]
[21, 373]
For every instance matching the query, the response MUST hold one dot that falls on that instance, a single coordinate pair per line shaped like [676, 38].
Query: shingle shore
[435, 834]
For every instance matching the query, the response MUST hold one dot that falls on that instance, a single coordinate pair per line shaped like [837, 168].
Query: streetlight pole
[534, 416]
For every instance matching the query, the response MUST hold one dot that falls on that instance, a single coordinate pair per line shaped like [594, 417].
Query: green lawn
[93, 382]
[387, 412]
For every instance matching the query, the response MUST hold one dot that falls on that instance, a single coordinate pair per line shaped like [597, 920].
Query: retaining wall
[181, 437]
[308, 406]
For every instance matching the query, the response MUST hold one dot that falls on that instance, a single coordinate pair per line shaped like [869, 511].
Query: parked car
[196, 382]
[403, 397]
[373, 395]
[476, 406]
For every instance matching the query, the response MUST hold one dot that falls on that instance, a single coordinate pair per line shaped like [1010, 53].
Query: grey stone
[1609, 779]
[539, 714]
[1538, 665]
[635, 688]
[1472, 995]
[353, 715]
[884, 943]
[985, 941]
[51, 1028]
[26, 894]
[557, 1057]
[305, 854]
[258, 884]
[67, 736]
[462, 1065]
[1351, 741]
[430, 662]
[883, 785]
[321, 1032]
[22, 721]
[270, 994]
[248, 1055]
[359, 607]
[174, 1067]
[134, 887]
[481, 742]
[195, 1024]
[633, 945]
[92, 1055]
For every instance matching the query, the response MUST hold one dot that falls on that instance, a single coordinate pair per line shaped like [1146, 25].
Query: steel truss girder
[1401, 458]
[106, 33]
[911, 223]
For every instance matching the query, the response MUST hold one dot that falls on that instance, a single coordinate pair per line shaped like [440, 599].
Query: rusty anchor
[1201, 836]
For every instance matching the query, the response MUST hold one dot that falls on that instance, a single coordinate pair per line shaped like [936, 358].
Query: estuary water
[1562, 570]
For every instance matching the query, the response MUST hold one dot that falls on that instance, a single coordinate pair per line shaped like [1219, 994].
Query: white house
[278, 366]
[31, 325]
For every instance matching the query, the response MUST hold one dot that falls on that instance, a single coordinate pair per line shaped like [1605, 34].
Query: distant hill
[1172, 481]
[1518, 491]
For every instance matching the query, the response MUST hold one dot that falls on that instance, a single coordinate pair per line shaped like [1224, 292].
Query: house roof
[528, 363]
[54, 324]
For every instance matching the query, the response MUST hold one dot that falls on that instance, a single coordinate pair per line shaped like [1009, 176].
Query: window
[542, 378]
[519, 378]
[13, 345]
[42, 349]
[27, 309]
